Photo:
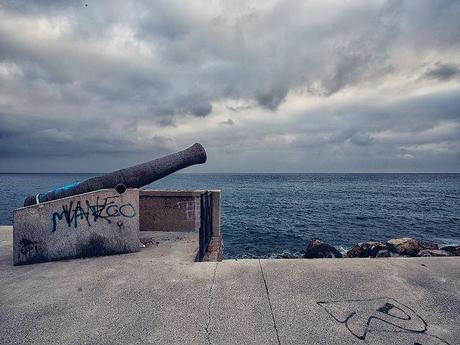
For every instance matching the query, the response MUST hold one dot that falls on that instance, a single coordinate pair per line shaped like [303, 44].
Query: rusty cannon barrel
[132, 177]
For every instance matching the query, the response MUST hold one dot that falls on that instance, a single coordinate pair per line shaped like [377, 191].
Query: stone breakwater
[405, 247]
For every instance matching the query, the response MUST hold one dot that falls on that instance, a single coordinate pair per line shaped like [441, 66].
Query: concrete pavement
[160, 296]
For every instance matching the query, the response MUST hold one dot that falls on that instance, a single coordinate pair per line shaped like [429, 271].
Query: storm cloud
[263, 85]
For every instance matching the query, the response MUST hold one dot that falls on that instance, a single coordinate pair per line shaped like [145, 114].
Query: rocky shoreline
[398, 247]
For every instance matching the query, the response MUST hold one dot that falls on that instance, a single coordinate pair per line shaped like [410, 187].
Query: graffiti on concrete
[32, 251]
[190, 207]
[105, 209]
[380, 321]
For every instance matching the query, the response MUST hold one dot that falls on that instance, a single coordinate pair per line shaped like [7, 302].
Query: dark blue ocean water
[268, 214]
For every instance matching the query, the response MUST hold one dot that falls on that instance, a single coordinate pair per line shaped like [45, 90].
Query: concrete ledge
[215, 250]
[173, 193]
[91, 224]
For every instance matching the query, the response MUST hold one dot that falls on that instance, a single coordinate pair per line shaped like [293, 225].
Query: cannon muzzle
[134, 177]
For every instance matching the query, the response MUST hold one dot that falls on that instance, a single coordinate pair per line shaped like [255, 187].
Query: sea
[275, 215]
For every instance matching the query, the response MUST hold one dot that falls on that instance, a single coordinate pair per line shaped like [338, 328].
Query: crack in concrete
[208, 322]
[270, 303]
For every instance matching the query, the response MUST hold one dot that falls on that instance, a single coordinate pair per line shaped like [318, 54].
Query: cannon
[133, 177]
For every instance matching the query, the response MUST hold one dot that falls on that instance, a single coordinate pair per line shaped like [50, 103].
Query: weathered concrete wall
[179, 211]
[215, 250]
[162, 210]
[92, 224]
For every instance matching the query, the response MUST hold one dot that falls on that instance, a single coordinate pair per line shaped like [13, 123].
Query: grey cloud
[185, 45]
[37, 135]
[361, 139]
[88, 78]
[201, 110]
[228, 122]
[443, 72]
[408, 135]
[272, 99]
[237, 109]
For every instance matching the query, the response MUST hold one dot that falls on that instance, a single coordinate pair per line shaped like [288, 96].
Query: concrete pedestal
[92, 224]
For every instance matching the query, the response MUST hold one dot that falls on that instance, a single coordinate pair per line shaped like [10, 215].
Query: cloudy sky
[265, 86]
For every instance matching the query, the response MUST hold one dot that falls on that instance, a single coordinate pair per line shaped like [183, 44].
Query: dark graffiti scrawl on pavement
[104, 209]
[381, 321]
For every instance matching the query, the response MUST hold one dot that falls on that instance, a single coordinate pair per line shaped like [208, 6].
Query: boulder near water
[404, 246]
[452, 250]
[383, 254]
[427, 245]
[317, 249]
[432, 252]
[366, 249]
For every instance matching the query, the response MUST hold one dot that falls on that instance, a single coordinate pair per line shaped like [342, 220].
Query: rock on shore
[452, 250]
[383, 254]
[427, 245]
[432, 252]
[366, 249]
[317, 249]
[409, 246]
[405, 246]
